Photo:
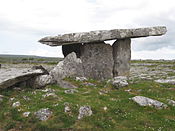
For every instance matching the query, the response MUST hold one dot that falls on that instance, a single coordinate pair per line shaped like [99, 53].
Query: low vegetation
[111, 108]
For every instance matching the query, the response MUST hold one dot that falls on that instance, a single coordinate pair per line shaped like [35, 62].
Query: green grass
[121, 114]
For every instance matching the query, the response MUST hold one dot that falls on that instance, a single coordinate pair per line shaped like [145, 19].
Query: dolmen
[98, 60]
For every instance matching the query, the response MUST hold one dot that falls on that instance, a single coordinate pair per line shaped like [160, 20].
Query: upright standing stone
[122, 57]
[97, 60]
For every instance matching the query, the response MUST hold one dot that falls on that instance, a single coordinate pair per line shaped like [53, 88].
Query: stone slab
[11, 76]
[97, 61]
[122, 57]
[102, 35]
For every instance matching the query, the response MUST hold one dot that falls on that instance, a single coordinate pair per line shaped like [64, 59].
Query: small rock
[11, 99]
[88, 84]
[26, 98]
[16, 104]
[70, 91]
[1, 98]
[48, 90]
[26, 114]
[105, 108]
[43, 114]
[171, 102]
[144, 101]
[49, 94]
[67, 107]
[84, 111]
[119, 81]
[169, 81]
[81, 79]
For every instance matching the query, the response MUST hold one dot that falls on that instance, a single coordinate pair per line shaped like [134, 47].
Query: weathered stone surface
[102, 35]
[16, 104]
[43, 114]
[11, 76]
[171, 102]
[42, 81]
[69, 67]
[169, 81]
[84, 111]
[66, 84]
[97, 61]
[144, 101]
[67, 49]
[122, 57]
[119, 81]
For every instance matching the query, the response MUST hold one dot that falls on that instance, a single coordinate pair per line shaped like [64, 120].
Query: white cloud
[37, 18]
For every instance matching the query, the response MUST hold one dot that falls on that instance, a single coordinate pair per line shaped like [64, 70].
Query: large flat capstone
[102, 35]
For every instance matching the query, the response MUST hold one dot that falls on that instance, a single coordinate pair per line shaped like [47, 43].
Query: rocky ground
[144, 101]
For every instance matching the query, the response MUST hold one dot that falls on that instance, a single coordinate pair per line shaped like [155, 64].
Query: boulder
[97, 61]
[42, 81]
[102, 35]
[122, 57]
[119, 81]
[11, 76]
[71, 66]
[84, 111]
[144, 101]
[43, 114]
[67, 49]
[171, 102]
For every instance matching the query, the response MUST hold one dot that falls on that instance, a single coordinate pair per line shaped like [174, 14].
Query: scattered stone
[1, 98]
[67, 107]
[105, 108]
[48, 90]
[43, 114]
[71, 66]
[66, 84]
[11, 99]
[128, 90]
[169, 81]
[70, 91]
[102, 35]
[122, 57]
[26, 114]
[97, 61]
[144, 101]
[81, 79]
[26, 98]
[119, 81]
[171, 102]
[42, 81]
[84, 111]
[16, 104]
[49, 94]
[89, 84]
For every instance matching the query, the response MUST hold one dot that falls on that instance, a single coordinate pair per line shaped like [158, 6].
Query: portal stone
[122, 57]
[97, 60]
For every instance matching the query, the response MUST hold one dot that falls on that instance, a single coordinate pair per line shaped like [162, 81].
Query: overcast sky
[24, 22]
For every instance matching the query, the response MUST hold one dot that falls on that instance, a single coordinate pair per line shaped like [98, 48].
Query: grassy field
[112, 108]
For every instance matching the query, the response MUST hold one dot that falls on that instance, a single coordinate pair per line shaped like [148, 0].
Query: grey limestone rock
[102, 35]
[42, 81]
[43, 114]
[70, 91]
[97, 61]
[26, 114]
[84, 111]
[12, 76]
[71, 66]
[122, 57]
[119, 81]
[169, 81]
[171, 102]
[144, 101]
[16, 104]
